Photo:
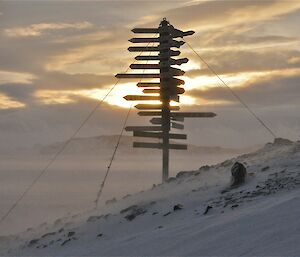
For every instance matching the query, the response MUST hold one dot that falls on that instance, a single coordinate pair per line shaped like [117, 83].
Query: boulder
[238, 174]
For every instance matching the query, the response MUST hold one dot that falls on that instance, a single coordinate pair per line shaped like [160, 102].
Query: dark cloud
[269, 91]
[19, 92]
[235, 61]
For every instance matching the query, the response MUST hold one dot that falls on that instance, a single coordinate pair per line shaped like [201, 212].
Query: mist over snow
[72, 182]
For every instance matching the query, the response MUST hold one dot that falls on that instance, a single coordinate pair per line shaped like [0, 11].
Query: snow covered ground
[259, 218]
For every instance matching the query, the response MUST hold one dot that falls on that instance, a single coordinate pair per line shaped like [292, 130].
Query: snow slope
[260, 218]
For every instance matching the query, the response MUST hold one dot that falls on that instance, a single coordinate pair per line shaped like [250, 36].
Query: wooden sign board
[156, 121]
[145, 66]
[143, 128]
[141, 98]
[145, 30]
[137, 75]
[154, 107]
[143, 49]
[159, 145]
[149, 113]
[148, 84]
[144, 40]
[158, 135]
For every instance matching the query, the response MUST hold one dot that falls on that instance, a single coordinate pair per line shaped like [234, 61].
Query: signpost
[165, 90]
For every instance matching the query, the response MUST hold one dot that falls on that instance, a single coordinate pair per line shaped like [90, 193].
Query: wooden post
[165, 98]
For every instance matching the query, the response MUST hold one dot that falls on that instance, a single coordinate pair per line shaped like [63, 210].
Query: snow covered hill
[194, 214]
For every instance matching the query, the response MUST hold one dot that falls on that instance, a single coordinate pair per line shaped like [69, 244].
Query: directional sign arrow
[154, 107]
[141, 98]
[158, 135]
[193, 114]
[144, 40]
[167, 82]
[169, 53]
[177, 125]
[143, 128]
[178, 61]
[149, 113]
[159, 145]
[166, 90]
[169, 41]
[156, 121]
[178, 119]
[158, 58]
[143, 49]
[145, 66]
[178, 33]
[145, 30]
[148, 84]
[172, 72]
[148, 58]
[151, 91]
[136, 75]
[174, 32]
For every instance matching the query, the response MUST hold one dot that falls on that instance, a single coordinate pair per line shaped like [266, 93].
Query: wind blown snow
[195, 214]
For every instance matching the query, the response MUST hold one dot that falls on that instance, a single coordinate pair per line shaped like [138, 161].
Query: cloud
[38, 29]
[16, 77]
[273, 90]
[8, 103]
[214, 14]
[236, 61]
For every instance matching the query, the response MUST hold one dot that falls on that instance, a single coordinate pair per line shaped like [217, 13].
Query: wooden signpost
[168, 88]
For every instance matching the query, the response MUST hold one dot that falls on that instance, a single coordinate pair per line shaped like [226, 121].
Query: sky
[58, 58]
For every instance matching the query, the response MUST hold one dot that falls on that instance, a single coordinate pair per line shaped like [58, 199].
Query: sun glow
[115, 97]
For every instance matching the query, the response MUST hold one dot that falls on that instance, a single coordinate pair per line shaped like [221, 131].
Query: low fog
[71, 184]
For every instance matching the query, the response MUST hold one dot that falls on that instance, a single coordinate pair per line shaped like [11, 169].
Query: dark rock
[128, 209]
[238, 172]
[71, 233]
[204, 168]
[166, 214]
[207, 209]
[265, 168]
[159, 227]
[61, 230]
[134, 212]
[234, 206]
[177, 207]
[282, 141]
[94, 218]
[183, 174]
[100, 235]
[48, 234]
[33, 242]
[66, 241]
[154, 213]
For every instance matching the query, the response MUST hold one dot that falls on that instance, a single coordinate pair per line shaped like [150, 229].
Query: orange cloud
[35, 30]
